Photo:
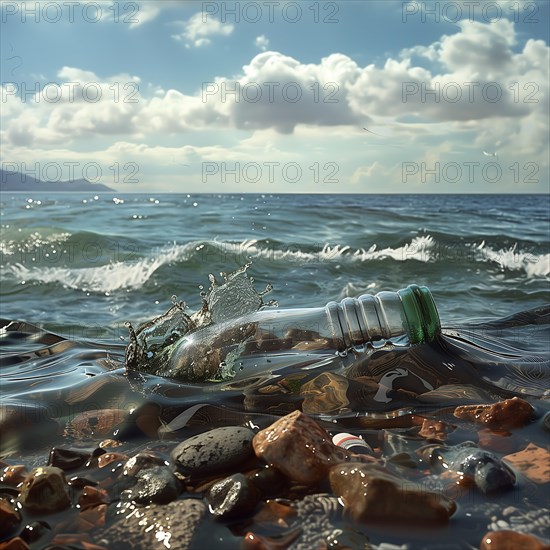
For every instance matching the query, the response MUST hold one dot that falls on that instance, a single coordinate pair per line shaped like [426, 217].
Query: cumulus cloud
[280, 94]
[197, 32]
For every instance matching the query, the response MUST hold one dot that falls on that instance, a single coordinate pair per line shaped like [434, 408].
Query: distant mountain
[10, 181]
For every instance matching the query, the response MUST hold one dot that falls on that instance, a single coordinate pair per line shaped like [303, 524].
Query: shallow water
[74, 269]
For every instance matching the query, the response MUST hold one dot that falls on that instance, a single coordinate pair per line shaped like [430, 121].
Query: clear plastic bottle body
[408, 314]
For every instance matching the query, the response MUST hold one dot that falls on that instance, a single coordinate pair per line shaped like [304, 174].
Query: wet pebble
[218, 450]
[489, 473]
[14, 475]
[511, 540]
[9, 518]
[269, 481]
[297, 446]
[533, 462]
[504, 415]
[371, 493]
[232, 497]
[182, 524]
[96, 424]
[36, 531]
[68, 459]
[44, 491]
[92, 496]
[156, 484]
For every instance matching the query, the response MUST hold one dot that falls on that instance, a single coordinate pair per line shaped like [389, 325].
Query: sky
[276, 96]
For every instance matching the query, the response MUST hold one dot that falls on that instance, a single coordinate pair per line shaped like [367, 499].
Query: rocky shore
[289, 486]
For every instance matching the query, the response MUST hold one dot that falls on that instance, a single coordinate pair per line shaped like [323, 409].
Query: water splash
[151, 344]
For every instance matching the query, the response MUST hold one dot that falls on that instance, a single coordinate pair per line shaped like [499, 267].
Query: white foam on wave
[512, 259]
[105, 278]
[420, 249]
[133, 275]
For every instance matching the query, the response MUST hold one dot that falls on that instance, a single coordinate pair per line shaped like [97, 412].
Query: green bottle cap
[420, 314]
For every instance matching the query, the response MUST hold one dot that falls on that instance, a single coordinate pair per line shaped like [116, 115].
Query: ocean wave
[105, 278]
[512, 259]
[123, 275]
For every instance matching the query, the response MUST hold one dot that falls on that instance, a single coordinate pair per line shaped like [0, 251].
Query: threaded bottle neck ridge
[410, 311]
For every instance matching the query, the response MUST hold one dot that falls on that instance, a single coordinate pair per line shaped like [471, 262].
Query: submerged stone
[372, 494]
[533, 462]
[511, 540]
[504, 415]
[487, 470]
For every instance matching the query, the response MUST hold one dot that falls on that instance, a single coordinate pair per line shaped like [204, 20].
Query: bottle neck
[386, 315]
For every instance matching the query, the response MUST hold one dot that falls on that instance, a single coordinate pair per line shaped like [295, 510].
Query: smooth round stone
[214, 451]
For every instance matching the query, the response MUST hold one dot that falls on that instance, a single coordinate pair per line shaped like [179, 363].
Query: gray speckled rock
[215, 451]
[156, 484]
[180, 525]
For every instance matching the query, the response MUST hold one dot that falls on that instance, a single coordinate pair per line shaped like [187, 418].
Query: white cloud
[147, 12]
[197, 32]
[262, 42]
[338, 97]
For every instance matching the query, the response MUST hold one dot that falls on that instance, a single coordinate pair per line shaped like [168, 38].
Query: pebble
[68, 459]
[511, 540]
[214, 451]
[371, 493]
[489, 473]
[156, 484]
[9, 518]
[232, 497]
[44, 491]
[96, 423]
[432, 429]
[36, 531]
[14, 475]
[269, 481]
[504, 415]
[297, 446]
[533, 462]
[91, 496]
[182, 524]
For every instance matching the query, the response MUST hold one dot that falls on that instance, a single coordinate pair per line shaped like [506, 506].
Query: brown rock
[297, 446]
[533, 462]
[511, 540]
[14, 475]
[326, 393]
[371, 493]
[91, 496]
[504, 415]
[9, 518]
[44, 491]
[435, 429]
[108, 459]
[93, 517]
[17, 543]
[96, 423]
